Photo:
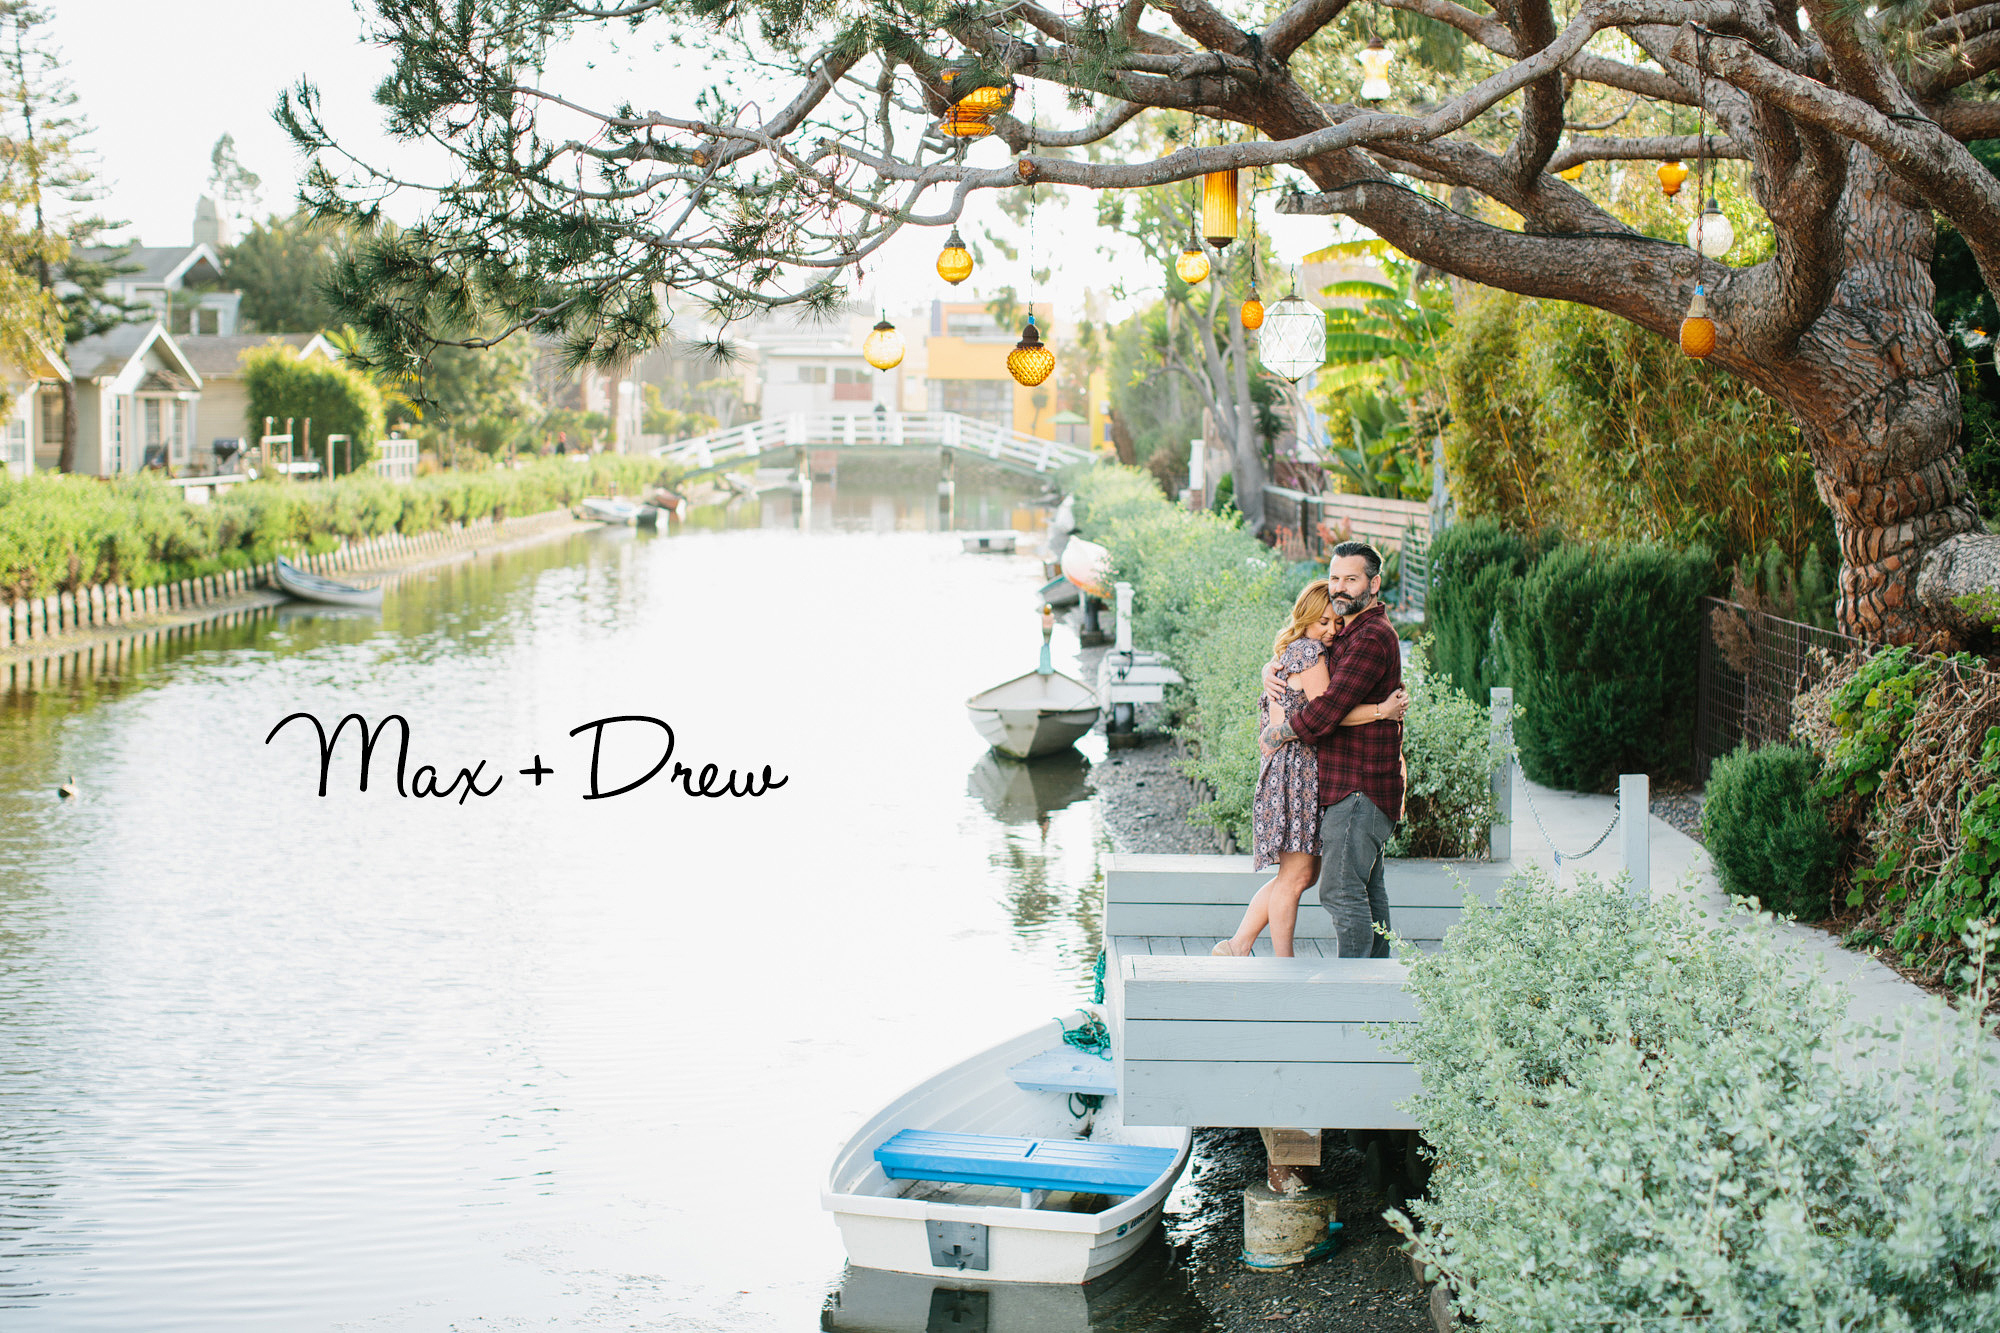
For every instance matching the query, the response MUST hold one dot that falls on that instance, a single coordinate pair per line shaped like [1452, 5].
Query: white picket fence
[874, 430]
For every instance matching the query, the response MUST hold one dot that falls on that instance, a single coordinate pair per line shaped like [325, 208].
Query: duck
[68, 789]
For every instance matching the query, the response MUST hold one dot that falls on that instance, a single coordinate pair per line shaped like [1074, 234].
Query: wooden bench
[1032, 1166]
[1065, 1070]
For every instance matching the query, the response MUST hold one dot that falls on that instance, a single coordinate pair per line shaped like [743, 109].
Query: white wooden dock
[1261, 1041]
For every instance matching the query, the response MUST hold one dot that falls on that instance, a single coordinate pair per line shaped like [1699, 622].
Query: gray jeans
[1352, 831]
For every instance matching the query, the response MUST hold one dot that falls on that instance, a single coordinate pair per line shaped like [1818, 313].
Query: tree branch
[1297, 24]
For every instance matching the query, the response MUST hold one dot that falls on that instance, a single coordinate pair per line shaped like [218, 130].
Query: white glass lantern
[1710, 233]
[883, 347]
[1293, 339]
[1375, 58]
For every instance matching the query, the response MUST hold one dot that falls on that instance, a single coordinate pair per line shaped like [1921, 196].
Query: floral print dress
[1284, 815]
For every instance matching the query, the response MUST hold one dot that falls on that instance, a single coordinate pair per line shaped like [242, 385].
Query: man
[1360, 768]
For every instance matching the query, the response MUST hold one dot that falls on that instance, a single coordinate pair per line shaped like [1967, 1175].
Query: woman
[1284, 815]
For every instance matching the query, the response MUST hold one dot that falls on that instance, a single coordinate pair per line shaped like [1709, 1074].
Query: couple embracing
[1331, 786]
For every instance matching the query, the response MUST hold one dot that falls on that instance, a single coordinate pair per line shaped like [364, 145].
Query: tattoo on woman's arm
[1278, 733]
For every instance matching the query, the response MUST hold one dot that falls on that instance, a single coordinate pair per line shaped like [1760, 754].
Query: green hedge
[1472, 567]
[1601, 646]
[1638, 1123]
[1769, 832]
[65, 532]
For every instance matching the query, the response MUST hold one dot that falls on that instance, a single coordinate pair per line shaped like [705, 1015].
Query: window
[812, 374]
[987, 400]
[849, 375]
[14, 445]
[971, 324]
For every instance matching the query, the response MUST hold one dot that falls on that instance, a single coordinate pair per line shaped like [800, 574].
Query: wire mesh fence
[1752, 665]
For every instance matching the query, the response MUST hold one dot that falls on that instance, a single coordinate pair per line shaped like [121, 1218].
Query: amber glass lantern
[1030, 362]
[985, 101]
[954, 261]
[1192, 266]
[1671, 175]
[1374, 60]
[958, 123]
[883, 347]
[1218, 208]
[1698, 330]
[1252, 313]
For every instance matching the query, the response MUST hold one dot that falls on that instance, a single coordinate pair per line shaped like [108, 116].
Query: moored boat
[989, 543]
[610, 509]
[1032, 715]
[1011, 1166]
[312, 588]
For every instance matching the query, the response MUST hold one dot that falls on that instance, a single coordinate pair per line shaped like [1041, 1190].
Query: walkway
[1876, 991]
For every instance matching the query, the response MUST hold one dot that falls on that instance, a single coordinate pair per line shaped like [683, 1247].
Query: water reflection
[1147, 1295]
[1028, 791]
[269, 1060]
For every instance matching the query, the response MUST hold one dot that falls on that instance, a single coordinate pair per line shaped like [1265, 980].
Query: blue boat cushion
[1023, 1164]
[1065, 1069]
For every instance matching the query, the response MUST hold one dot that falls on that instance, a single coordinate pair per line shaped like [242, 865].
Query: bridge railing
[824, 430]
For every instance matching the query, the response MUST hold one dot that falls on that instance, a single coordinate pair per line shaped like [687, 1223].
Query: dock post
[1123, 592]
[1500, 838]
[1635, 833]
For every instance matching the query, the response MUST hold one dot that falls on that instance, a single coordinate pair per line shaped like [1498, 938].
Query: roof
[151, 263]
[215, 354]
[108, 355]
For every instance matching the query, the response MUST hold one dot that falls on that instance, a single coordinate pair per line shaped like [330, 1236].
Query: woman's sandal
[1223, 950]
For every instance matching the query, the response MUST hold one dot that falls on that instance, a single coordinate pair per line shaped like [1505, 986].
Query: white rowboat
[990, 543]
[609, 509]
[1033, 715]
[312, 588]
[984, 1231]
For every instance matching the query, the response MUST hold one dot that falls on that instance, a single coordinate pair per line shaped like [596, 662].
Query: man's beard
[1347, 606]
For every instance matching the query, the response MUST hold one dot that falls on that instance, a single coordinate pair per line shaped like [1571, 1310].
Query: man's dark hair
[1368, 553]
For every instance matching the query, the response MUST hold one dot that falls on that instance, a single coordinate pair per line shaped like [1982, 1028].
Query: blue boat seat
[1065, 1069]
[1023, 1164]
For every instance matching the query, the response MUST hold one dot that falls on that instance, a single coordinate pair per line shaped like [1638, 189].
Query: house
[175, 283]
[224, 409]
[966, 368]
[36, 391]
[136, 397]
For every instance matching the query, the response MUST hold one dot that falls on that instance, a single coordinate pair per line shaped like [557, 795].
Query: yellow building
[965, 369]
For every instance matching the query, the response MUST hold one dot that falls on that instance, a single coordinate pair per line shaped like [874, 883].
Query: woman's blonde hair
[1312, 603]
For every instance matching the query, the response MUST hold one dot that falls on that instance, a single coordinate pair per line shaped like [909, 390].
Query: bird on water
[68, 789]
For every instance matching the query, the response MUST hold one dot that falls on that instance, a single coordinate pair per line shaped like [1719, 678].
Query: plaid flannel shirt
[1364, 666]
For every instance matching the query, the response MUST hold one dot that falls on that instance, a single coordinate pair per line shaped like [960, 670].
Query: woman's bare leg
[1255, 917]
[1297, 871]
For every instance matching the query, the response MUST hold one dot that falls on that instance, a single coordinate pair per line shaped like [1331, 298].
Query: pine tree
[50, 175]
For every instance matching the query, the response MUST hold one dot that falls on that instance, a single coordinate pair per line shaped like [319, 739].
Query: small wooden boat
[1012, 1166]
[1058, 591]
[1032, 715]
[989, 543]
[312, 588]
[610, 509]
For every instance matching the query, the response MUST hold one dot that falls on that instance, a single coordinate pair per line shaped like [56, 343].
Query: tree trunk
[1249, 459]
[66, 460]
[1872, 385]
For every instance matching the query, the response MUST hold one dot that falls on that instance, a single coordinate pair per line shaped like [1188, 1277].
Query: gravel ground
[1680, 807]
[1366, 1286]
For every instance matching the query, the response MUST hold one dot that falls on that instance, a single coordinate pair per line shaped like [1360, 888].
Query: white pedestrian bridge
[1007, 448]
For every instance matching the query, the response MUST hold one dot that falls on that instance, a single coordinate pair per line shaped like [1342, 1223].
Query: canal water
[529, 1060]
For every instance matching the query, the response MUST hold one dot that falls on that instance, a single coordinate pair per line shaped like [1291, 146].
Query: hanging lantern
[883, 347]
[1030, 362]
[985, 101]
[1293, 341]
[1710, 233]
[1375, 58]
[1253, 310]
[1218, 207]
[954, 261]
[1671, 175]
[1698, 330]
[1193, 263]
[958, 123]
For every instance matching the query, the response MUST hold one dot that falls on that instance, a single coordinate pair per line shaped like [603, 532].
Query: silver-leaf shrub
[1640, 1123]
[1450, 752]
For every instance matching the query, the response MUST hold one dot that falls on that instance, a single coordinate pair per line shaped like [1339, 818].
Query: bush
[1448, 744]
[1638, 1124]
[1472, 565]
[1601, 648]
[336, 398]
[60, 533]
[1769, 832]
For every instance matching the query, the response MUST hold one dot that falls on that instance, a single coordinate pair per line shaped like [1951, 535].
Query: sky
[161, 81]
